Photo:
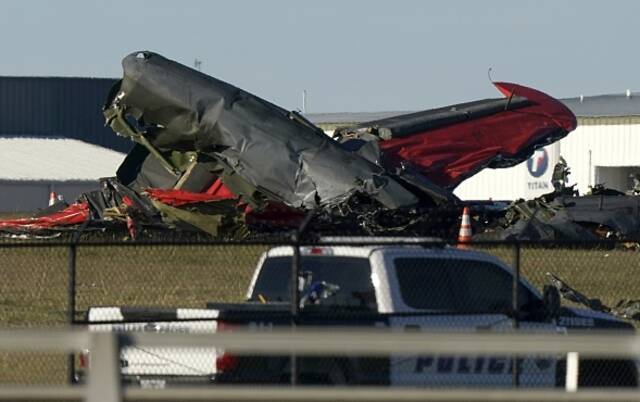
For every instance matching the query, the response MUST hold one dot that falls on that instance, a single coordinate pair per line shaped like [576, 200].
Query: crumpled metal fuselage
[256, 147]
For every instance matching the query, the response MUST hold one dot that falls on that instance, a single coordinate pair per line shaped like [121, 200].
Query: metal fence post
[71, 304]
[296, 264]
[516, 308]
[572, 370]
[104, 375]
[295, 297]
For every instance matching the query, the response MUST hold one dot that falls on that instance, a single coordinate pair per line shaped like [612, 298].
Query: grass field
[13, 215]
[609, 275]
[33, 290]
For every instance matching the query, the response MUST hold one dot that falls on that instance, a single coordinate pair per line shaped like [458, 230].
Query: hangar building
[604, 149]
[53, 138]
[31, 168]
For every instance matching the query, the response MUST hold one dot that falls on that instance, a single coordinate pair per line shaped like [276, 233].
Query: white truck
[404, 287]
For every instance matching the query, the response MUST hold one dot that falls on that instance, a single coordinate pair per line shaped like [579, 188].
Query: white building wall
[601, 145]
[496, 184]
[527, 180]
[595, 144]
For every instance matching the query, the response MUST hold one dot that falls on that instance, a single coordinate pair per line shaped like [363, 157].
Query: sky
[350, 56]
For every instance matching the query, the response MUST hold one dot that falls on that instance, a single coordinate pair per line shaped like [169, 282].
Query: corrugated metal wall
[57, 107]
[603, 142]
[25, 196]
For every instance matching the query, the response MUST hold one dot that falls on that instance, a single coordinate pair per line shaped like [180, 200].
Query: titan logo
[538, 163]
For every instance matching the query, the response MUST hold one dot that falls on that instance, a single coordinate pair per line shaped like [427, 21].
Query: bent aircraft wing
[451, 144]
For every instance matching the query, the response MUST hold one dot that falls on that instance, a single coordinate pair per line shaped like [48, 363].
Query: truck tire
[324, 371]
[600, 373]
[337, 375]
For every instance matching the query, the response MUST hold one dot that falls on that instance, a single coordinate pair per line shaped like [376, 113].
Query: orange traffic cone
[465, 229]
[52, 198]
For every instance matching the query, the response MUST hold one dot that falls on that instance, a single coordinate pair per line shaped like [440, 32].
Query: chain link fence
[415, 286]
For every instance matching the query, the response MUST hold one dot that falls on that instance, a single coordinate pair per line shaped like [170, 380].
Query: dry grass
[609, 275]
[14, 215]
[188, 276]
[33, 292]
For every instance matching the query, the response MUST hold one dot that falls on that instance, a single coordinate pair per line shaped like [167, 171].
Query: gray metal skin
[281, 155]
[553, 217]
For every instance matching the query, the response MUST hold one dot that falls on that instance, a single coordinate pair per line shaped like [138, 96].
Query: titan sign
[538, 177]
[538, 164]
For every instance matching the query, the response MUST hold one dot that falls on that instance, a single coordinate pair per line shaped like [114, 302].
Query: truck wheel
[608, 373]
[337, 375]
[323, 372]
[601, 373]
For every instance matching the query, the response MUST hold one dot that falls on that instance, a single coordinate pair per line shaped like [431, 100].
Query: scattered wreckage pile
[627, 309]
[213, 160]
[565, 215]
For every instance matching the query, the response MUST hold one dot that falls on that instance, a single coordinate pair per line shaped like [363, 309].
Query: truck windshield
[449, 284]
[351, 274]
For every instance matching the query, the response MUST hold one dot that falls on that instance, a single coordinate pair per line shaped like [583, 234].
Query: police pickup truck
[404, 287]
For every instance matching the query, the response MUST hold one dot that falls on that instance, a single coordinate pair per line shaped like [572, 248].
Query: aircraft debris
[210, 157]
[628, 309]
[565, 215]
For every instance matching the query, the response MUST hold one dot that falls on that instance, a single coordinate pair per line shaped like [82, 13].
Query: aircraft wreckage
[563, 214]
[211, 158]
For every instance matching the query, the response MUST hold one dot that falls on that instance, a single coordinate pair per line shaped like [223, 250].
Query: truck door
[453, 294]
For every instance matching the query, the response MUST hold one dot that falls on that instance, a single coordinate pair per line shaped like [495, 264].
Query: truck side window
[351, 274]
[448, 284]
[423, 288]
